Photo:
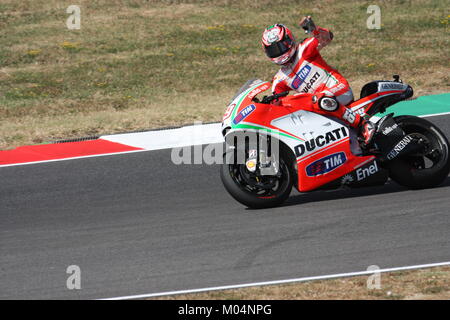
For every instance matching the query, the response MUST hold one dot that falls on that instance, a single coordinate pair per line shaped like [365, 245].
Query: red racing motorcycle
[271, 148]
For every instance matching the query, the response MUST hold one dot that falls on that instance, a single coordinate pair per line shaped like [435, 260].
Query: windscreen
[248, 84]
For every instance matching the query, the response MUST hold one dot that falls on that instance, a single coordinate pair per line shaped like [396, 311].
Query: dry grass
[139, 64]
[423, 284]
[111, 116]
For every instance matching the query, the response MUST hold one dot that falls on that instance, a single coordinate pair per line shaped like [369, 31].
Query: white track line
[434, 114]
[197, 134]
[277, 282]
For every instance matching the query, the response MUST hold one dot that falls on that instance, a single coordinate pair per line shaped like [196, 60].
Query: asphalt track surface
[136, 223]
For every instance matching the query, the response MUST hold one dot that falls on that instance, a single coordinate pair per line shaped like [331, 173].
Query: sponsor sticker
[347, 179]
[301, 76]
[228, 111]
[251, 165]
[320, 141]
[244, 113]
[309, 85]
[341, 86]
[258, 90]
[399, 147]
[392, 86]
[367, 171]
[361, 111]
[388, 130]
[349, 115]
[326, 164]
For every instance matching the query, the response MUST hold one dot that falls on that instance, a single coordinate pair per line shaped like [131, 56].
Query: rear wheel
[427, 168]
[255, 190]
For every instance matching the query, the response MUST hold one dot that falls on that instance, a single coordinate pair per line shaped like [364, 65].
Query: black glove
[307, 24]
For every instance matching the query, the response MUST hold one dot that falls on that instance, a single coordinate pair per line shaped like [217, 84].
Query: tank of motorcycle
[321, 145]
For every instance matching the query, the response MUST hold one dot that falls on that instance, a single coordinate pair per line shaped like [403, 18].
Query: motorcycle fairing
[320, 136]
[327, 165]
[242, 100]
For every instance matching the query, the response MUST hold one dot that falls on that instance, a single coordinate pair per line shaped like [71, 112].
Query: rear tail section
[377, 96]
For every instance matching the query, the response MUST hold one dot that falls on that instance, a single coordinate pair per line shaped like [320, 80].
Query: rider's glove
[366, 132]
[307, 24]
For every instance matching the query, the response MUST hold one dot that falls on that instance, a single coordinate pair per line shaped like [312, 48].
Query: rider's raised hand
[307, 24]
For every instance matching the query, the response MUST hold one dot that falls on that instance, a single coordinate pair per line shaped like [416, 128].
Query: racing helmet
[278, 43]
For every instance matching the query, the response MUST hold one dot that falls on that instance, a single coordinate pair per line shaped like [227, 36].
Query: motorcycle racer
[305, 71]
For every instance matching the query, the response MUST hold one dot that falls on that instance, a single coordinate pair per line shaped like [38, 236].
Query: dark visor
[277, 49]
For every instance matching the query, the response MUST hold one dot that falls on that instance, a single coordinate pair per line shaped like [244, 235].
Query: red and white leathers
[307, 72]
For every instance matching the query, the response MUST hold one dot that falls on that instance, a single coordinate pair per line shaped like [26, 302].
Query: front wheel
[258, 191]
[425, 169]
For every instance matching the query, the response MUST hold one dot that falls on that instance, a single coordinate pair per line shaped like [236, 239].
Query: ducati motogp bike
[272, 147]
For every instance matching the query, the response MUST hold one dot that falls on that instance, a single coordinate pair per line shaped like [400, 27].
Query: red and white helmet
[278, 43]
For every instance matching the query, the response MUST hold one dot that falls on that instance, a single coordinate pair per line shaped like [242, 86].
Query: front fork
[263, 159]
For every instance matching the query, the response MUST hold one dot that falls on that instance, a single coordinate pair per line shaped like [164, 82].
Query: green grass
[142, 64]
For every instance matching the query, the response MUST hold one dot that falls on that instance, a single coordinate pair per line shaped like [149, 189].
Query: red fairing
[341, 150]
[328, 165]
[324, 165]
[305, 101]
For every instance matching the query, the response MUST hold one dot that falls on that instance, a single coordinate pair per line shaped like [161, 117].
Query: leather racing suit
[307, 72]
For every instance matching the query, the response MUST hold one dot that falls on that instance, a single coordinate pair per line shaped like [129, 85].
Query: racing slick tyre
[428, 168]
[254, 190]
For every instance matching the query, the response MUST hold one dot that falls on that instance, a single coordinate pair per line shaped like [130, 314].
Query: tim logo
[301, 76]
[244, 113]
[326, 164]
